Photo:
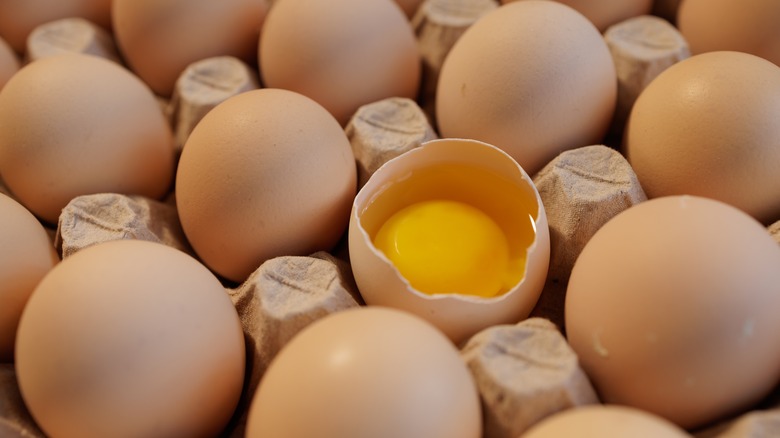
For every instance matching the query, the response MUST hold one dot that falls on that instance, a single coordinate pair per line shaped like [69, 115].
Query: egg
[128, 339]
[26, 255]
[160, 38]
[78, 124]
[604, 421]
[367, 372]
[532, 77]
[18, 18]
[341, 53]
[9, 63]
[740, 25]
[707, 126]
[409, 6]
[453, 231]
[671, 308]
[266, 173]
[605, 13]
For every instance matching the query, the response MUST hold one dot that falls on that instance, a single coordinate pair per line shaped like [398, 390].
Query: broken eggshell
[441, 169]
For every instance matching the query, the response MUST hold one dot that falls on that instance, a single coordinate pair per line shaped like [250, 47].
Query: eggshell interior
[459, 316]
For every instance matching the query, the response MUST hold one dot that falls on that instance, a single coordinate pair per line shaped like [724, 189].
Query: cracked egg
[453, 231]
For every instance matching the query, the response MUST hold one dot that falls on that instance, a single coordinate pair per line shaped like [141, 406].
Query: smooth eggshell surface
[266, 173]
[368, 372]
[409, 6]
[458, 316]
[160, 38]
[672, 308]
[76, 125]
[18, 18]
[708, 126]
[746, 26]
[130, 339]
[9, 63]
[26, 255]
[533, 78]
[604, 421]
[341, 53]
[605, 13]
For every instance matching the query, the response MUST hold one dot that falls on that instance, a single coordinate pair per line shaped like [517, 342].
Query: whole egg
[130, 338]
[604, 421]
[26, 255]
[77, 124]
[533, 78]
[18, 18]
[741, 25]
[367, 372]
[9, 63]
[671, 308]
[266, 173]
[341, 53]
[160, 38]
[605, 13]
[707, 126]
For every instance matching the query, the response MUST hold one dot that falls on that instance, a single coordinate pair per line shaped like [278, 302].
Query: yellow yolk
[446, 246]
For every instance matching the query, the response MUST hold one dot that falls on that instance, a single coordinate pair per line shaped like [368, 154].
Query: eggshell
[266, 173]
[708, 126]
[458, 316]
[409, 6]
[341, 53]
[160, 38]
[604, 421]
[26, 255]
[744, 26]
[367, 372]
[19, 17]
[605, 13]
[9, 63]
[77, 124]
[532, 77]
[672, 308]
[130, 339]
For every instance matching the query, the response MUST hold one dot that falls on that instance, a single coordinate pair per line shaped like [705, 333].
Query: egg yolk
[444, 246]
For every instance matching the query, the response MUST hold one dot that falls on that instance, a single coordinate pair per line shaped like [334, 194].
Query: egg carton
[535, 373]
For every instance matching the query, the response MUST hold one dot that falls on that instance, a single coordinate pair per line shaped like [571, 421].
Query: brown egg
[160, 38]
[266, 173]
[9, 63]
[341, 53]
[26, 255]
[367, 372]
[708, 126]
[604, 421]
[130, 339]
[409, 6]
[533, 78]
[741, 25]
[605, 13]
[78, 124]
[19, 17]
[672, 308]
